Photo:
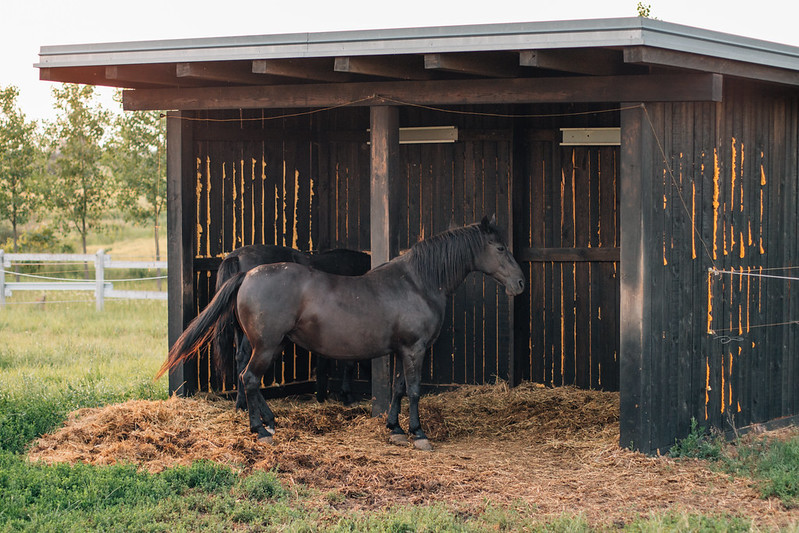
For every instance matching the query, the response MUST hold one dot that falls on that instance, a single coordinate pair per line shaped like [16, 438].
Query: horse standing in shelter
[338, 261]
[397, 308]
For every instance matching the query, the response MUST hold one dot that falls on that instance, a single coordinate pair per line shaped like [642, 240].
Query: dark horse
[339, 261]
[397, 308]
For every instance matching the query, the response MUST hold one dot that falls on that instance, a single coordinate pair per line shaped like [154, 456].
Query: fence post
[2, 279]
[99, 275]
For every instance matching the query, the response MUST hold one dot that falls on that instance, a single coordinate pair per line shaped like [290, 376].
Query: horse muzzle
[514, 287]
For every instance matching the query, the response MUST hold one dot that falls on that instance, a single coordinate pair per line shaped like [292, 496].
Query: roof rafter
[661, 88]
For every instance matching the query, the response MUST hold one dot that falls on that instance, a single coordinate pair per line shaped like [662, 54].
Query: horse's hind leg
[262, 420]
[243, 352]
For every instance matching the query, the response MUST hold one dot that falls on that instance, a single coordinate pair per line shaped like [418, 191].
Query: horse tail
[202, 328]
[227, 326]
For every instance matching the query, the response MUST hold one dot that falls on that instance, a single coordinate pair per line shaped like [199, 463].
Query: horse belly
[342, 336]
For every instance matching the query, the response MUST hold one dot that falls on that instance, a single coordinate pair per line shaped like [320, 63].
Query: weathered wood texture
[304, 182]
[720, 349]
[567, 236]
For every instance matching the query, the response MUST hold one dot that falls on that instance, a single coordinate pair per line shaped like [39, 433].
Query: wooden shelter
[647, 172]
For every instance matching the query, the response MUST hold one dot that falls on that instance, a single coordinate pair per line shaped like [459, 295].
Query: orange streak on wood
[197, 192]
[693, 220]
[716, 193]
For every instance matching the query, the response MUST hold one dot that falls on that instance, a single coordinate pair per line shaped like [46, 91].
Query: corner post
[635, 222]
[180, 241]
[384, 173]
[99, 279]
[2, 279]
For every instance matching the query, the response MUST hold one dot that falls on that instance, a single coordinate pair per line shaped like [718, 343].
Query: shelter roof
[598, 47]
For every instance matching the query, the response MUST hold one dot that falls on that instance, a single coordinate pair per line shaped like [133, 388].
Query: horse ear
[485, 224]
[493, 220]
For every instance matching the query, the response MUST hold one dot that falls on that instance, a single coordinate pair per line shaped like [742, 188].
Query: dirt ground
[555, 450]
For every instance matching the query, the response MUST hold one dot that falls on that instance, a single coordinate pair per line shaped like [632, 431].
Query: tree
[644, 10]
[80, 190]
[19, 153]
[137, 157]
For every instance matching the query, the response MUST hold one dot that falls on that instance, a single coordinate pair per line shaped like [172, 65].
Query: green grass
[772, 463]
[66, 356]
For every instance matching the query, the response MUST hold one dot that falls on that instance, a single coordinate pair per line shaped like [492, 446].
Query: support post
[99, 279]
[2, 279]
[180, 241]
[635, 350]
[385, 170]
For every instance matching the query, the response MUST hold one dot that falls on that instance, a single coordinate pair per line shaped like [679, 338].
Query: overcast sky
[26, 25]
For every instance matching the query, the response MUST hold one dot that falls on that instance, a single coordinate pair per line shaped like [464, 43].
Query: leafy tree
[137, 156]
[644, 10]
[80, 188]
[19, 154]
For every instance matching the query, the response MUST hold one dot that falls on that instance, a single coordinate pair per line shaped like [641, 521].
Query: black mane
[444, 260]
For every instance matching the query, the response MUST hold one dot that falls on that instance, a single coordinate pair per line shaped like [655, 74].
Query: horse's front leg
[322, 374]
[262, 420]
[347, 397]
[412, 365]
[397, 436]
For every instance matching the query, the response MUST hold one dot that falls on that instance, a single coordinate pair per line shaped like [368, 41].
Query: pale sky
[26, 25]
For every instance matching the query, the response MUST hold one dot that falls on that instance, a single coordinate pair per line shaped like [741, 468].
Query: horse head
[496, 260]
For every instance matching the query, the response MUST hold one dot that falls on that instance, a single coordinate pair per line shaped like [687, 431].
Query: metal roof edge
[501, 36]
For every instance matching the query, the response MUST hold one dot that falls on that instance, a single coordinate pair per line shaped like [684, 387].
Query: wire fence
[101, 287]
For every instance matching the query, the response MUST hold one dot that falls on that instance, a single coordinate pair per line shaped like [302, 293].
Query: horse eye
[500, 248]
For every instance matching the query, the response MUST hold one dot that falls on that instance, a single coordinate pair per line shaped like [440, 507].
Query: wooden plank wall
[305, 183]
[568, 239]
[254, 185]
[722, 348]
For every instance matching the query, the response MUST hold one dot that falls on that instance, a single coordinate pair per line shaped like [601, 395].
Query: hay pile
[556, 449]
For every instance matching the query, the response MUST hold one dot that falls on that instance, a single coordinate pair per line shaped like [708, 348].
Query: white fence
[102, 289]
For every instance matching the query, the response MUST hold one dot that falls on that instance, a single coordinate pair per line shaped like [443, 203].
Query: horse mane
[444, 259]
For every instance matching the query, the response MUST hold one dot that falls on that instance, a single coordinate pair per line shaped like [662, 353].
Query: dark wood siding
[717, 348]
[567, 239]
[304, 183]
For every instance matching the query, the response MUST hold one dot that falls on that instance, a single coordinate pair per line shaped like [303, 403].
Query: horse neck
[444, 261]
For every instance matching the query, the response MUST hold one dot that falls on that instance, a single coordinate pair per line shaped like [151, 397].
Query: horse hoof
[265, 440]
[423, 444]
[398, 438]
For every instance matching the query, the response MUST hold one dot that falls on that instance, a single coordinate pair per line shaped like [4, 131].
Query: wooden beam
[646, 55]
[593, 62]
[87, 75]
[313, 69]
[385, 165]
[163, 75]
[492, 66]
[180, 172]
[232, 73]
[665, 88]
[400, 68]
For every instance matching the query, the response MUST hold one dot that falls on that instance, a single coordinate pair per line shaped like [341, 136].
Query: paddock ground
[543, 451]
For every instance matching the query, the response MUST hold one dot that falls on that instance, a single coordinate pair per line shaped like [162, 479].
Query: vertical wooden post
[180, 241]
[635, 349]
[99, 279]
[384, 170]
[2, 279]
